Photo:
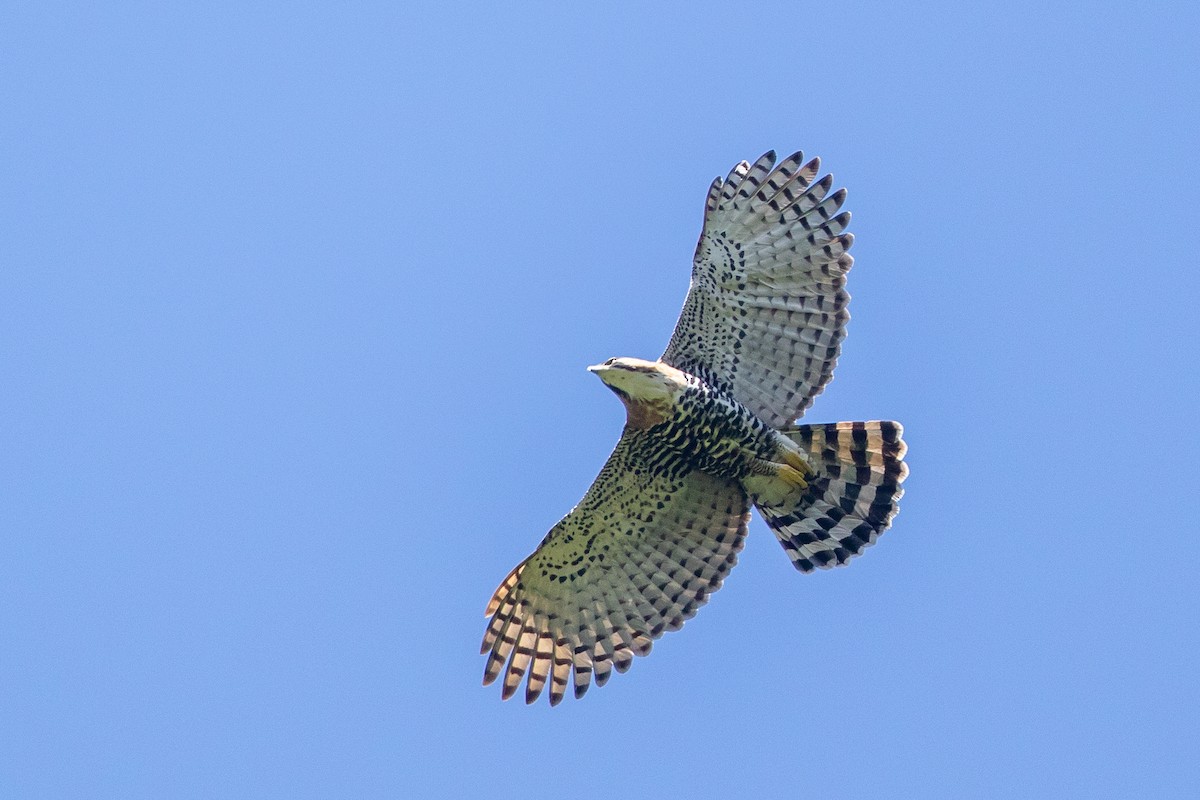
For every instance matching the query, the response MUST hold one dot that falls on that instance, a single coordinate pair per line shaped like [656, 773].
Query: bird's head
[644, 386]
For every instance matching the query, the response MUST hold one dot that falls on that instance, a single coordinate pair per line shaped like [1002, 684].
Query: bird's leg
[792, 476]
[795, 469]
[795, 460]
[794, 472]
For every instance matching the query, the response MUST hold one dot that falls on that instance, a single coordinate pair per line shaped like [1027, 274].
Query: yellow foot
[797, 462]
[793, 476]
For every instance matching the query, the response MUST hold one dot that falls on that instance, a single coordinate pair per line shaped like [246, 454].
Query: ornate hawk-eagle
[710, 432]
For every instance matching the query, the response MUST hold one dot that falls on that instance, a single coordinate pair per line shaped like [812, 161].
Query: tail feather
[852, 497]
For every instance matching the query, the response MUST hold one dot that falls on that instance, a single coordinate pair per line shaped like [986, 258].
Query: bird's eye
[610, 362]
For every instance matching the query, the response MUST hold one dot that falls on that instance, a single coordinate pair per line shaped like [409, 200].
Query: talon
[797, 462]
[793, 476]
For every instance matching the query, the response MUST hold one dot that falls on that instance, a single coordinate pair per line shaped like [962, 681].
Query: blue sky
[296, 307]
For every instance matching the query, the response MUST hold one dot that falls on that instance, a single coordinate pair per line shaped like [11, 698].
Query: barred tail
[852, 497]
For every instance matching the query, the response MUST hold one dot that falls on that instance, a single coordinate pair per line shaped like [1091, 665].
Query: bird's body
[709, 434]
[694, 426]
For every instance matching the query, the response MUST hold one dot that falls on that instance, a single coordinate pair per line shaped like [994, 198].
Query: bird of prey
[710, 432]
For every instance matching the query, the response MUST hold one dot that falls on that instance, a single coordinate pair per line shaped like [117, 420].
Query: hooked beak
[603, 372]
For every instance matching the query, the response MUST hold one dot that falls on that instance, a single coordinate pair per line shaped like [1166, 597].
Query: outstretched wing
[638, 555]
[765, 315]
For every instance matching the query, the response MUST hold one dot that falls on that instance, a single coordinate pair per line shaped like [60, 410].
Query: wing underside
[765, 314]
[636, 558]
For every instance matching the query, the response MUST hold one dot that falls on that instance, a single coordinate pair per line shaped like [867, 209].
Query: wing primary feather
[795, 186]
[733, 181]
[502, 647]
[781, 176]
[561, 673]
[619, 608]
[749, 185]
[582, 657]
[602, 653]
[539, 668]
[521, 656]
[775, 229]
[504, 589]
[495, 626]
[713, 199]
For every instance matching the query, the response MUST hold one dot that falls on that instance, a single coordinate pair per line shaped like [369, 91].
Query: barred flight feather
[766, 229]
[851, 499]
[614, 610]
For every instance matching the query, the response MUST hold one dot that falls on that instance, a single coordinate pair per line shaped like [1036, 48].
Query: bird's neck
[644, 414]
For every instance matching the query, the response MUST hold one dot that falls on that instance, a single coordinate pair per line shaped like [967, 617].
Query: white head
[642, 382]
